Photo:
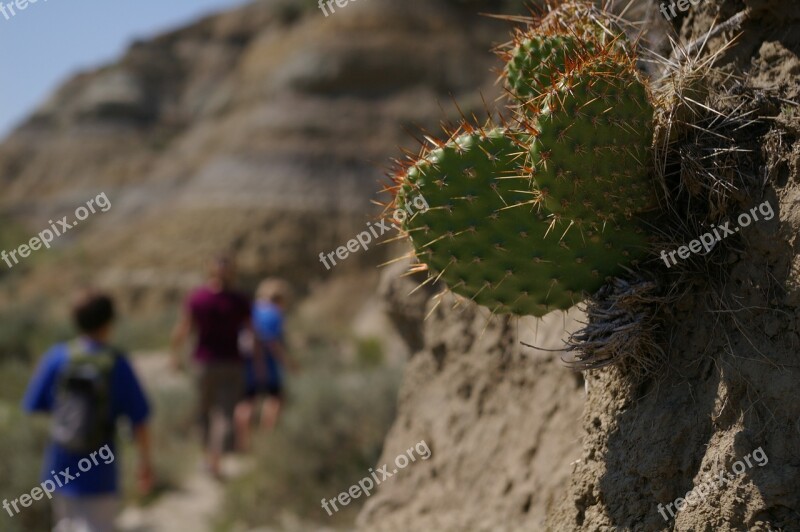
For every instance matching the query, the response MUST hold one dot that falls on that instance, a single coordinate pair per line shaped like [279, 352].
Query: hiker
[216, 314]
[272, 299]
[87, 385]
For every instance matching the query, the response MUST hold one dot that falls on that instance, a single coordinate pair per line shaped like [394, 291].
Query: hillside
[265, 131]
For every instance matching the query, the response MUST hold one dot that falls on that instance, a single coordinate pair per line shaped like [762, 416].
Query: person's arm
[180, 333]
[259, 354]
[278, 350]
[132, 403]
[277, 347]
[39, 396]
[145, 475]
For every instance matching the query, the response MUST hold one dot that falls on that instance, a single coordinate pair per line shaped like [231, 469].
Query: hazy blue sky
[52, 39]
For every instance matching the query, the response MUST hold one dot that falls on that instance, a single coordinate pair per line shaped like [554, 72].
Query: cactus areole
[532, 217]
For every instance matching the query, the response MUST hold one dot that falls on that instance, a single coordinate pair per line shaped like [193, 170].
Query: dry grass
[622, 329]
[704, 165]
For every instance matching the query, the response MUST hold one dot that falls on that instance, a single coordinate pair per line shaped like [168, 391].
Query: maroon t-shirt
[218, 318]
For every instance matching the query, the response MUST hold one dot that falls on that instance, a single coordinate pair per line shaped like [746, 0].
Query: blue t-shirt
[127, 400]
[268, 325]
[268, 322]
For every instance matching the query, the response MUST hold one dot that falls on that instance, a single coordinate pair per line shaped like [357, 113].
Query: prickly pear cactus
[541, 55]
[532, 218]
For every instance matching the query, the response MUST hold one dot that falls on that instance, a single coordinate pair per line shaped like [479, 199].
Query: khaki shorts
[85, 514]
[220, 387]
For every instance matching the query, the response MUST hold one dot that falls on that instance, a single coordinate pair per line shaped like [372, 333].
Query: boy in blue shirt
[272, 299]
[86, 386]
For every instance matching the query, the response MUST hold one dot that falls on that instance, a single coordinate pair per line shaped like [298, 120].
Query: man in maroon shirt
[216, 314]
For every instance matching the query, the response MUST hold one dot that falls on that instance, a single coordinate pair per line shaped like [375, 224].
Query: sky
[50, 40]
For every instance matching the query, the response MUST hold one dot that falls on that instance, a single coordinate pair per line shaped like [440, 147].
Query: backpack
[82, 419]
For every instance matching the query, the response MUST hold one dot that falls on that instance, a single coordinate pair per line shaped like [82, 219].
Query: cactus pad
[592, 141]
[540, 55]
[486, 236]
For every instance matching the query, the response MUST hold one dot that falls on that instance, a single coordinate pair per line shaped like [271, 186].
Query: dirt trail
[200, 497]
[193, 508]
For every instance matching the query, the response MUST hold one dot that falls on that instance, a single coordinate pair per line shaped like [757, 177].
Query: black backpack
[82, 417]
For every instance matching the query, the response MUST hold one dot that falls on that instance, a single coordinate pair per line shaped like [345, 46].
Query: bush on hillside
[331, 433]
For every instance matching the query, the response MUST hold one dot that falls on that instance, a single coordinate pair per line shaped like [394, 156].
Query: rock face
[499, 418]
[510, 449]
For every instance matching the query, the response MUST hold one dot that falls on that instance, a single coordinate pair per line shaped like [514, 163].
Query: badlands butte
[267, 129]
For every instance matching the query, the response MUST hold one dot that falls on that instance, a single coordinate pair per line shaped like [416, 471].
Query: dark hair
[92, 311]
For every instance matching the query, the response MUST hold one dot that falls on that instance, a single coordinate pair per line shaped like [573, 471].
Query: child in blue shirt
[86, 386]
[266, 382]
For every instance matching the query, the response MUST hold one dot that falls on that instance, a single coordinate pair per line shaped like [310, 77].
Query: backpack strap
[104, 359]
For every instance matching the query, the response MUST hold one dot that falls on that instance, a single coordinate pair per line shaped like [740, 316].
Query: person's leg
[85, 514]
[270, 411]
[99, 513]
[244, 416]
[273, 401]
[216, 441]
[227, 390]
[204, 403]
[218, 429]
[63, 513]
[233, 392]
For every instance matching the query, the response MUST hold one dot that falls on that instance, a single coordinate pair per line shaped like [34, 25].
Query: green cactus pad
[591, 149]
[537, 63]
[541, 55]
[487, 238]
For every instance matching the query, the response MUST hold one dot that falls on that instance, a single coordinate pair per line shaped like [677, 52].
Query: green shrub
[369, 352]
[22, 447]
[26, 332]
[331, 433]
